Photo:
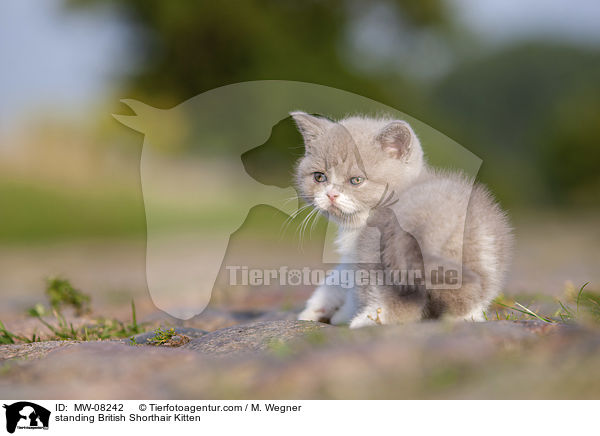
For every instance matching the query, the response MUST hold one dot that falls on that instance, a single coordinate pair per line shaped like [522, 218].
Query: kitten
[395, 213]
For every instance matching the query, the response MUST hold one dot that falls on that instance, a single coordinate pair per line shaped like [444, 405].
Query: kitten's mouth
[332, 209]
[335, 210]
[339, 214]
[344, 219]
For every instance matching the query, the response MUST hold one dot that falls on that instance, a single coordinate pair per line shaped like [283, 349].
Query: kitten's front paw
[361, 321]
[366, 319]
[345, 313]
[311, 314]
[341, 317]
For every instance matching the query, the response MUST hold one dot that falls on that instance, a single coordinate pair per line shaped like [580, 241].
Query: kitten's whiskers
[289, 219]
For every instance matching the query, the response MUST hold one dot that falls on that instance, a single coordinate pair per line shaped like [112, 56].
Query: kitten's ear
[397, 139]
[310, 127]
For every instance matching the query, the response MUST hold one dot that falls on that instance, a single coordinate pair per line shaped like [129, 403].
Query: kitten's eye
[320, 177]
[357, 180]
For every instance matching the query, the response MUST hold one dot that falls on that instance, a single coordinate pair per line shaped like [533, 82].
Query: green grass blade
[532, 313]
[568, 312]
[134, 317]
[7, 337]
[579, 294]
[525, 311]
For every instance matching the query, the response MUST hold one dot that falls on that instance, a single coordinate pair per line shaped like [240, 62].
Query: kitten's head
[348, 164]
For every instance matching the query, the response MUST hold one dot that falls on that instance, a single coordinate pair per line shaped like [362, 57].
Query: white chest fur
[348, 243]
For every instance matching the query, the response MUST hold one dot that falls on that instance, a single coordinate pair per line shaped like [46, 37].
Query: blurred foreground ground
[307, 360]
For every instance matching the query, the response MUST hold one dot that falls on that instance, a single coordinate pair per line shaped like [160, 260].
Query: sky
[53, 59]
[503, 21]
[65, 61]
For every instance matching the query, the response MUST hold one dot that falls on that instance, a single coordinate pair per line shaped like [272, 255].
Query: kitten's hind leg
[465, 303]
[391, 305]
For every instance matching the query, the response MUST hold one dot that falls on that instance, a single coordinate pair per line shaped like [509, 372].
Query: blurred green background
[517, 83]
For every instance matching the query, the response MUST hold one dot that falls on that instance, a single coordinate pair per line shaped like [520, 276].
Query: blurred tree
[570, 146]
[527, 110]
[186, 48]
[190, 47]
[531, 112]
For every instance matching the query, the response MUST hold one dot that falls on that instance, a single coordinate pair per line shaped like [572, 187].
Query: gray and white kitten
[395, 213]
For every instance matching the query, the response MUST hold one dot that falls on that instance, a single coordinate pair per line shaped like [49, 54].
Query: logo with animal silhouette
[25, 415]
[247, 120]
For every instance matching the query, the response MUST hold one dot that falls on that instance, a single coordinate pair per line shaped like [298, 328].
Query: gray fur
[404, 215]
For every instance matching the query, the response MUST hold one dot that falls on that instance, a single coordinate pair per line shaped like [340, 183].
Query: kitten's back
[454, 218]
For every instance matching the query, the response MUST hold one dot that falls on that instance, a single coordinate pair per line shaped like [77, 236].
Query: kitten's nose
[332, 196]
